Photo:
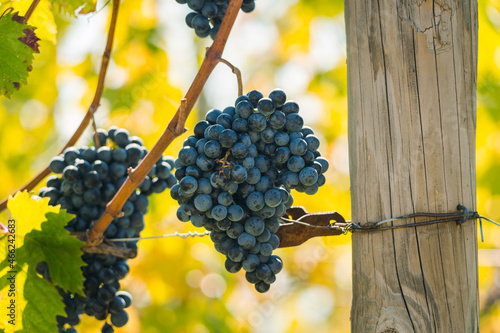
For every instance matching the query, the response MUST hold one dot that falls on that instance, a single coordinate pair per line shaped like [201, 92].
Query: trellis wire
[459, 217]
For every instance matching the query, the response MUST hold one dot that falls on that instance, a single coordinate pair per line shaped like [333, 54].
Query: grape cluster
[89, 179]
[236, 173]
[207, 15]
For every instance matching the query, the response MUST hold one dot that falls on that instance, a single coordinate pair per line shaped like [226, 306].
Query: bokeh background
[180, 285]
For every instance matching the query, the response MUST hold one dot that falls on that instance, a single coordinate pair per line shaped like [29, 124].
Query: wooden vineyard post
[412, 118]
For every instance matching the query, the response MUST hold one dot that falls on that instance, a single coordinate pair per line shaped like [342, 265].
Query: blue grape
[246, 241]
[134, 152]
[236, 254]
[239, 150]
[232, 267]
[228, 138]
[204, 186]
[277, 120]
[121, 137]
[70, 155]
[83, 166]
[120, 155]
[199, 129]
[213, 132]
[219, 212]
[235, 213]
[278, 97]
[296, 163]
[250, 263]
[244, 109]
[213, 149]
[324, 164]
[298, 147]
[117, 170]
[187, 156]
[255, 201]
[225, 198]
[263, 163]
[257, 122]
[272, 224]
[308, 176]
[225, 120]
[248, 162]
[239, 174]
[312, 142]
[105, 154]
[235, 230]
[119, 319]
[262, 286]
[272, 198]
[188, 184]
[254, 96]
[264, 184]
[70, 174]
[254, 226]
[290, 107]
[294, 122]
[266, 249]
[281, 138]
[240, 125]
[266, 106]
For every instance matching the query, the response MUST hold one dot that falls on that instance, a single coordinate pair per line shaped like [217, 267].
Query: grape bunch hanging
[236, 173]
[207, 15]
[89, 179]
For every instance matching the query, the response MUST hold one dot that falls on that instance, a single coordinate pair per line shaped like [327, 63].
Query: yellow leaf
[42, 18]
[29, 213]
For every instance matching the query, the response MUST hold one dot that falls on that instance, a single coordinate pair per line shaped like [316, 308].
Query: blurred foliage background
[181, 285]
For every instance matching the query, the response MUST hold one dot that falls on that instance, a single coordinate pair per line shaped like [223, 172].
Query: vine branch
[174, 129]
[92, 108]
[31, 10]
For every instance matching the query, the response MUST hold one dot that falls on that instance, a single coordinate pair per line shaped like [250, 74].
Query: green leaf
[54, 245]
[43, 304]
[19, 42]
[39, 236]
[70, 6]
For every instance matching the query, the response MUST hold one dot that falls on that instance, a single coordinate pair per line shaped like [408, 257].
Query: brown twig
[31, 10]
[106, 248]
[174, 129]
[237, 72]
[7, 11]
[91, 110]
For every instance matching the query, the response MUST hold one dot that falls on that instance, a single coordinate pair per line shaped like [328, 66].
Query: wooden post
[412, 118]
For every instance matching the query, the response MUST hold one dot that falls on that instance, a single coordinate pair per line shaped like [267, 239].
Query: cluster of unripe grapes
[235, 176]
[207, 15]
[86, 180]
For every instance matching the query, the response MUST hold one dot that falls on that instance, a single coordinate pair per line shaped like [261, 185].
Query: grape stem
[237, 72]
[92, 108]
[174, 129]
[31, 10]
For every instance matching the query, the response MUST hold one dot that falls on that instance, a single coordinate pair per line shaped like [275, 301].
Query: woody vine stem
[93, 106]
[174, 129]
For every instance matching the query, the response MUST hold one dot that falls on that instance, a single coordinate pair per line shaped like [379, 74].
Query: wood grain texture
[412, 67]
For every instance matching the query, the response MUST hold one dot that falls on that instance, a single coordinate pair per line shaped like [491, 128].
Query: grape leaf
[39, 236]
[29, 213]
[70, 6]
[42, 17]
[19, 42]
[43, 304]
[54, 245]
